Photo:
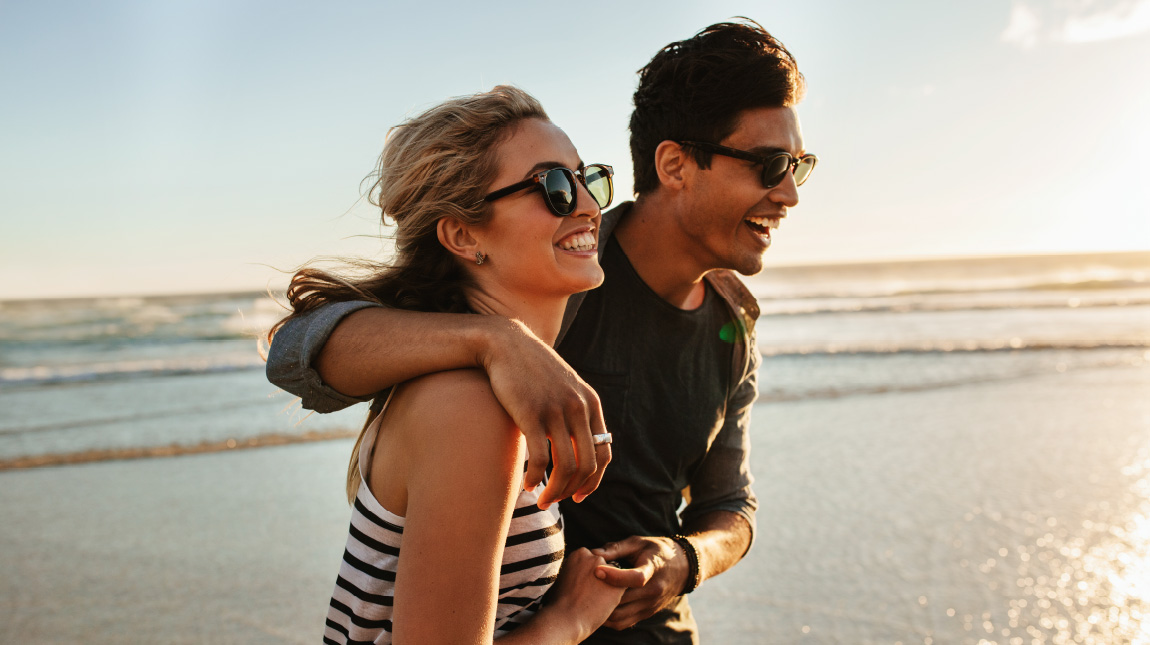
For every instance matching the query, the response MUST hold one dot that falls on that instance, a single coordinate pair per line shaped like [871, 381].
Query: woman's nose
[585, 204]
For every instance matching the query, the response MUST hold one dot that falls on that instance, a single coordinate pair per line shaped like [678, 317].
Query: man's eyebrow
[767, 150]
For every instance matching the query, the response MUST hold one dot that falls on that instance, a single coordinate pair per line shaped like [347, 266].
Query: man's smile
[761, 226]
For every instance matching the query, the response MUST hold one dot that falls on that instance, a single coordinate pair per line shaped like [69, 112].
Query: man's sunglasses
[775, 166]
[560, 190]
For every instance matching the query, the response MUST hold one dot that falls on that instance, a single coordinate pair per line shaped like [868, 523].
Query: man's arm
[719, 519]
[723, 480]
[294, 351]
[332, 359]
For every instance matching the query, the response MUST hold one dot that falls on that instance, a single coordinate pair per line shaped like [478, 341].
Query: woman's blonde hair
[434, 165]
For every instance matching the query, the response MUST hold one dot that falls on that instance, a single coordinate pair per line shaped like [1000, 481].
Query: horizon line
[277, 291]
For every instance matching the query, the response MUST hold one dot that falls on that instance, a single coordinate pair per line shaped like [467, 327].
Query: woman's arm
[578, 604]
[464, 464]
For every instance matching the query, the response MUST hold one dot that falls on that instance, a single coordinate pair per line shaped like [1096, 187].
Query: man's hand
[549, 402]
[658, 573]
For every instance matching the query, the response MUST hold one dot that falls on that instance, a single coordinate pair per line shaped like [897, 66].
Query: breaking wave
[122, 370]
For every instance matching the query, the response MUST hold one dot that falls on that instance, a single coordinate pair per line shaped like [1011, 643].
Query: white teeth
[578, 242]
[768, 222]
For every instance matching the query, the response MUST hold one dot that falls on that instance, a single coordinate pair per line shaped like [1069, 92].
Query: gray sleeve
[294, 349]
[723, 480]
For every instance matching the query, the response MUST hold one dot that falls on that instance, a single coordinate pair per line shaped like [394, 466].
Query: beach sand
[913, 517]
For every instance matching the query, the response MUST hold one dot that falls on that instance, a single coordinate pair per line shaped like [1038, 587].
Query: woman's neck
[543, 316]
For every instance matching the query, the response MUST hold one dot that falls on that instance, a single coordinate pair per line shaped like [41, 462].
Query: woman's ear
[671, 163]
[458, 238]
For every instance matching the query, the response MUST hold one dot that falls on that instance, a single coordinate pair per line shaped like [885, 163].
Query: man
[667, 342]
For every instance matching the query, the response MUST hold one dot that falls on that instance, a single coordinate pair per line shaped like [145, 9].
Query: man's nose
[786, 193]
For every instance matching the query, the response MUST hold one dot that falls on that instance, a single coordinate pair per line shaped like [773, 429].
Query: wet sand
[174, 450]
[918, 517]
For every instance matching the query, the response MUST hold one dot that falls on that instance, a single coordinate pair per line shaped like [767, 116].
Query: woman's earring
[480, 257]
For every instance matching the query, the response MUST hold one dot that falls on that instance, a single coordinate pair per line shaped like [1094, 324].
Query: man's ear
[458, 238]
[672, 164]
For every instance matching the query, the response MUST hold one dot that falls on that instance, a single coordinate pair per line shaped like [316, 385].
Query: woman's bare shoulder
[456, 406]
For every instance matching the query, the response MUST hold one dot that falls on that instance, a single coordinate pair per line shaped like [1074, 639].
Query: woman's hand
[578, 603]
[580, 596]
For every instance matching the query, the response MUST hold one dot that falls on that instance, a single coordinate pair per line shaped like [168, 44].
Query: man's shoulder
[744, 309]
[736, 294]
[607, 226]
[609, 221]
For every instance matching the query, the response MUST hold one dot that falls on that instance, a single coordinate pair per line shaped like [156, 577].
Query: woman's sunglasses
[775, 166]
[560, 190]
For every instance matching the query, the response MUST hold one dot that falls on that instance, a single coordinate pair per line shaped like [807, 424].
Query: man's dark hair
[695, 89]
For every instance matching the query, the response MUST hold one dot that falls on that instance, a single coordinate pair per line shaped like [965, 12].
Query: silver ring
[600, 439]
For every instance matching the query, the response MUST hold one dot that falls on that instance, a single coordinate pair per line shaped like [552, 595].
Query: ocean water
[947, 451]
[108, 374]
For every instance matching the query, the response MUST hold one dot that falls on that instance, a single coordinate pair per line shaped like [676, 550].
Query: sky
[167, 147]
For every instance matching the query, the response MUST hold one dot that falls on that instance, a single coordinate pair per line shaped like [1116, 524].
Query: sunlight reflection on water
[1092, 587]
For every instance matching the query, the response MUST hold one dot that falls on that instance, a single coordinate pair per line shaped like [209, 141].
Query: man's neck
[661, 253]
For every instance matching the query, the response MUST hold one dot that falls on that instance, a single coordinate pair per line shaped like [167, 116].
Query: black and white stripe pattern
[360, 610]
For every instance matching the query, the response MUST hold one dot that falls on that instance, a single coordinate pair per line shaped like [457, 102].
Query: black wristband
[693, 574]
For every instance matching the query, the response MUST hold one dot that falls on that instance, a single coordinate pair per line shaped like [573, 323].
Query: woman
[495, 215]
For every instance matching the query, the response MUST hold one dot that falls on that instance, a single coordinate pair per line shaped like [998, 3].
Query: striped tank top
[360, 609]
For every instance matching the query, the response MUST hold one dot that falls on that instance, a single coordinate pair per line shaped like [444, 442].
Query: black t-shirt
[662, 375]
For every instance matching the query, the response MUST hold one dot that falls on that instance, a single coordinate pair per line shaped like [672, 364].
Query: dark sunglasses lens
[775, 170]
[559, 185]
[599, 185]
[803, 170]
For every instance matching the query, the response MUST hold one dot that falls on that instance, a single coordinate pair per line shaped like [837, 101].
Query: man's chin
[749, 266]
